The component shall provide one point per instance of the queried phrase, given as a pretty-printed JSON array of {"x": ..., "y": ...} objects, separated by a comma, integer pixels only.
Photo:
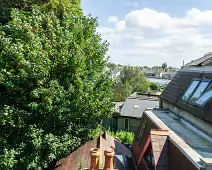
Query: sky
[{"x": 151, "y": 32}]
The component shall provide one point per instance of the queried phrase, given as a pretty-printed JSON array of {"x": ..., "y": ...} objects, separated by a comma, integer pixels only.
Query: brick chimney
[
  {"x": 109, "y": 154},
  {"x": 95, "y": 154}
]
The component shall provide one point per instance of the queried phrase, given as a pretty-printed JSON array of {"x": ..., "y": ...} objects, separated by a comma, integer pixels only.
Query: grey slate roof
[
  {"x": 134, "y": 107},
  {"x": 200, "y": 61},
  {"x": 180, "y": 83}
]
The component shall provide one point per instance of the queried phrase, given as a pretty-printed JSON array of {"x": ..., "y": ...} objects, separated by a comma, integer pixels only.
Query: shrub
[
  {"x": 125, "y": 137},
  {"x": 154, "y": 86}
]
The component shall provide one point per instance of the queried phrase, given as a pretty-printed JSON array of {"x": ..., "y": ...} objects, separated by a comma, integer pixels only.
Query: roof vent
[{"x": 136, "y": 106}]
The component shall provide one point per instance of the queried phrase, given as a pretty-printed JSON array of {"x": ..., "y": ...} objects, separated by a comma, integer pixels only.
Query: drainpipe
[
  {"x": 95, "y": 154},
  {"x": 109, "y": 155}
]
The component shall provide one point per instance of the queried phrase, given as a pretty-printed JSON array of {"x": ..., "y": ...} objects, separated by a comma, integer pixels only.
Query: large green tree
[
  {"x": 133, "y": 80},
  {"x": 53, "y": 88}
]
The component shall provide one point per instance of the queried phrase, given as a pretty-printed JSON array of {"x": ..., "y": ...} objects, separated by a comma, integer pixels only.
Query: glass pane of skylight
[
  {"x": 204, "y": 98},
  {"x": 190, "y": 90},
  {"x": 203, "y": 85}
]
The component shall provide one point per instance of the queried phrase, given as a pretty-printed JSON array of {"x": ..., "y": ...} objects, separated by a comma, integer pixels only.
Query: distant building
[
  {"x": 159, "y": 74},
  {"x": 178, "y": 135},
  {"x": 169, "y": 74},
  {"x": 115, "y": 73},
  {"x": 128, "y": 114},
  {"x": 149, "y": 73}
]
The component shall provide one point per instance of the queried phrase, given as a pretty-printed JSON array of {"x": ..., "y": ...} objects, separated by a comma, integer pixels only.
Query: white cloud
[
  {"x": 151, "y": 19},
  {"x": 120, "y": 26},
  {"x": 113, "y": 19},
  {"x": 204, "y": 17},
  {"x": 149, "y": 37},
  {"x": 147, "y": 18}
]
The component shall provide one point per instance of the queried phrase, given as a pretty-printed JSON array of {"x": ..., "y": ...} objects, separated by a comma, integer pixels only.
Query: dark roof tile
[{"x": 179, "y": 85}]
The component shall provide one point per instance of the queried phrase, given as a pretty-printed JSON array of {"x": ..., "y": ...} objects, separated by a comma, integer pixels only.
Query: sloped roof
[
  {"x": 134, "y": 106},
  {"x": 122, "y": 159},
  {"x": 200, "y": 61},
  {"x": 179, "y": 85}
]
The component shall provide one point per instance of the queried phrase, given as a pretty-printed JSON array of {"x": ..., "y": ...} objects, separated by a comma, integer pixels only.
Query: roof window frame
[
  {"x": 195, "y": 79},
  {"x": 206, "y": 103},
  {"x": 205, "y": 90},
  {"x": 201, "y": 80}
]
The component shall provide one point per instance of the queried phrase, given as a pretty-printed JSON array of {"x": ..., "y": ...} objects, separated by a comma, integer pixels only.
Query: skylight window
[
  {"x": 190, "y": 90},
  {"x": 198, "y": 92},
  {"x": 136, "y": 106},
  {"x": 204, "y": 98}
]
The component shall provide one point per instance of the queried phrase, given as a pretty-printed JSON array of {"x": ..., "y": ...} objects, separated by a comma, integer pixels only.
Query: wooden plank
[
  {"x": 160, "y": 132},
  {"x": 145, "y": 148}
]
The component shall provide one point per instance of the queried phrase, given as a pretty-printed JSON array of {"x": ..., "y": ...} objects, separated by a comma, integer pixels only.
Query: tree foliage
[
  {"x": 157, "y": 68},
  {"x": 147, "y": 68},
  {"x": 164, "y": 66},
  {"x": 133, "y": 80},
  {"x": 6, "y": 6},
  {"x": 111, "y": 66},
  {"x": 53, "y": 90},
  {"x": 154, "y": 86}
]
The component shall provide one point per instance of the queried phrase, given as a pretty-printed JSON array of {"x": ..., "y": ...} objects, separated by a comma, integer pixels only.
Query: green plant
[
  {"x": 80, "y": 165},
  {"x": 95, "y": 132},
  {"x": 125, "y": 137},
  {"x": 154, "y": 86},
  {"x": 53, "y": 88},
  {"x": 115, "y": 165},
  {"x": 101, "y": 166},
  {"x": 164, "y": 66}
]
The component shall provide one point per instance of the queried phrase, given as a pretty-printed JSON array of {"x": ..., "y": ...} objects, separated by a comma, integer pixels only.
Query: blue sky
[{"x": 150, "y": 32}]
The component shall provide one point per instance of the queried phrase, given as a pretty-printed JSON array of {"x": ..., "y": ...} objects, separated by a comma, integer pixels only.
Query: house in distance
[{"x": 127, "y": 115}]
